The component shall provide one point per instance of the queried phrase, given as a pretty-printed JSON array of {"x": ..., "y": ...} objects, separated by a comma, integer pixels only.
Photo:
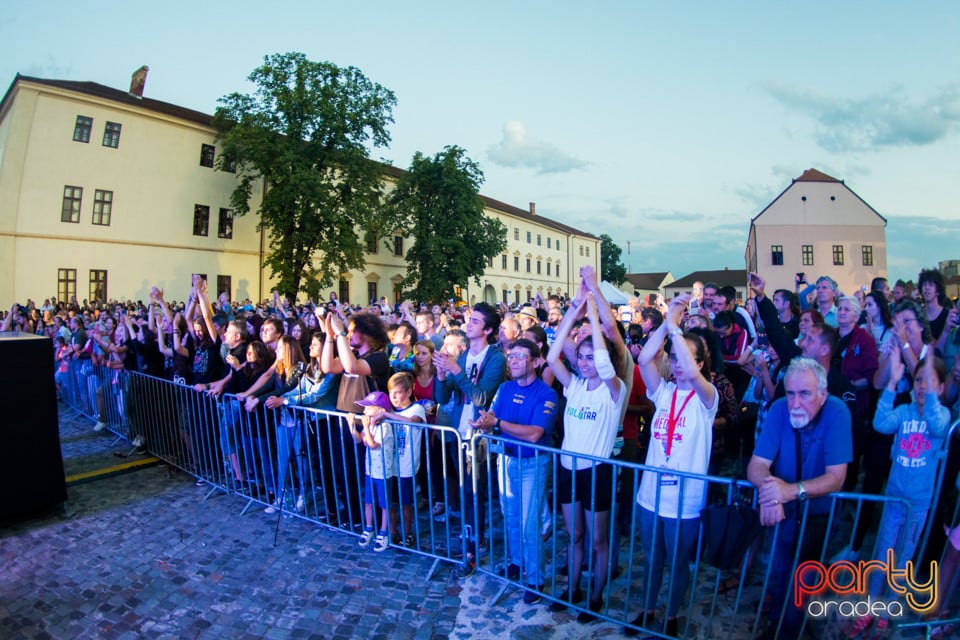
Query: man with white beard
[{"x": 817, "y": 424}]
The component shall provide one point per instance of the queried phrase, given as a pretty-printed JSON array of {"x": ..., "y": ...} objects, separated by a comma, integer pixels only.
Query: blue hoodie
[{"x": 916, "y": 447}]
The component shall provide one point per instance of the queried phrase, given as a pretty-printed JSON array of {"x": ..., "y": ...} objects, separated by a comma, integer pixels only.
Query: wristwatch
[
  {"x": 801, "y": 492},
  {"x": 496, "y": 428}
]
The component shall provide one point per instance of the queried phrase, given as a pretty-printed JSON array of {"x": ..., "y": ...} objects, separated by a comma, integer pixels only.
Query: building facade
[
  {"x": 818, "y": 226},
  {"x": 105, "y": 193}
]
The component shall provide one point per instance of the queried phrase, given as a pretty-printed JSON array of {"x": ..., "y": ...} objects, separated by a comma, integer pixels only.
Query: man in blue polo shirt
[
  {"x": 523, "y": 411},
  {"x": 808, "y": 429}
]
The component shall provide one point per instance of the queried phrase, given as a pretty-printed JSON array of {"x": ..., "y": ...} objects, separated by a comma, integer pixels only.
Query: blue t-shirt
[
  {"x": 826, "y": 442},
  {"x": 534, "y": 404}
]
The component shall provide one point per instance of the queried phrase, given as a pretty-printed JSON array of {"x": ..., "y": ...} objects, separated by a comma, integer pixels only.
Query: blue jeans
[
  {"x": 523, "y": 483},
  {"x": 660, "y": 543},
  {"x": 900, "y": 533},
  {"x": 288, "y": 445}
]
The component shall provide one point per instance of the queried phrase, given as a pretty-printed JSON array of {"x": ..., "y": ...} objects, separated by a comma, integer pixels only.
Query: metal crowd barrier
[{"x": 306, "y": 464}]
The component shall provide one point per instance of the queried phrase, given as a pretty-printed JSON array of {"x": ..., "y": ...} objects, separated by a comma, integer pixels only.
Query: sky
[{"x": 665, "y": 125}]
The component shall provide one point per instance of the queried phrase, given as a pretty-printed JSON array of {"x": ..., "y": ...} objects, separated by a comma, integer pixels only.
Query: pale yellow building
[
  {"x": 818, "y": 226},
  {"x": 105, "y": 193}
]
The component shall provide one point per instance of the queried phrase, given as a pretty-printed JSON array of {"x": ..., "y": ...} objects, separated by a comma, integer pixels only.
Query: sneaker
[
  {"x": 301, "y": 504},
  {"x": 273, "y": 507},
  {"x": 589, "y": 616},
  {"x": 511, "y": 572},
  {"x": 100, "y": 426},
  {"x": 532, "y": 594},
  {"x": 141, "y": 450},
  {"x": 365, "y": 538},
  {"x": 200, "y": 482},
  {"x": 410, "y": 542},
  {"x": 565, "y": 599},
  {"x": 382, "y": 543},
  {"x": 138, "y": 441}
]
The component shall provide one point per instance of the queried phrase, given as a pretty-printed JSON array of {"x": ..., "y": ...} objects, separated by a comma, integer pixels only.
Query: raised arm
[
  {"x": 203, "y": 301},
  {"x": 601, "y": 355}
]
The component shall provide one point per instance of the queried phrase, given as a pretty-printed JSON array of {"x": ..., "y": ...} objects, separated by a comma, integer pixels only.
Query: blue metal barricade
[{"x": 496, "y": 511}]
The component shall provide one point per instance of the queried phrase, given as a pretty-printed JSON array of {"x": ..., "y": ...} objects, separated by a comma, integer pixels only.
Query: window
[
  {"x": 776, "y": 255},
  {"x": 516, "y": 233},
  {"x": 516, "y": 296},
  {"x": 225, "y": 285},
  {"x": 372, "y": 291},
  {"x": 807, "y": 255},
  {"x": 529, "y": 237},
  {"x": 503, "y": 262},
  {"x": 225, "y": 224},
  {"x": 344, "y": 290},
  {"x": 111, "y": 135},
  {"x": 867, "y": 252},
  {"x": 207, "y": 152},
  {"x": 556, "y": 269},
  {"x": 98, "y": 285},
  {"x": 229, "y": 165},
  {"x": 102, "y": 207},
  {"x": 66, "y": 284},
  {"x": 370, "y": 239},
  {"x": 538, "y": 239},
  {"x": 587, "y": 249},
  {"x": 506, "y": 298},
  {"x": 70, "y": 212},
  {"x": 489, "y": 262},
  {"x": 549, "y": 240},
  {"x": 516, "y": 263},
  {"x": 581, "y": 250},
  {"x": 201, "y": 219},
  {"x": 838, "y": 254},
  {"x": 538, "y": 266},
  {"x": 548, "y": 268},
  {"x": 528, "y": 265},
  {"x": 398, "y": 246},
  {"x": 81, "y": 130}
]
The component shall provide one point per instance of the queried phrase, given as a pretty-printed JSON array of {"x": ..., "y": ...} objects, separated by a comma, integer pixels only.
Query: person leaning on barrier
[
  {"x": 681, "y": 440},
  {"x": 523, "y": 410},
  {"x": 811, "y": 427}
]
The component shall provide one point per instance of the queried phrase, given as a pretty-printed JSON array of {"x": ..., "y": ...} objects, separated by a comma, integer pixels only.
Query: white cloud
[{"x": 517, "y": 149}]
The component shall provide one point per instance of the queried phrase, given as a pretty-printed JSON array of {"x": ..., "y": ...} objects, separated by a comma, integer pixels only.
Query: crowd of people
[{"x": 804, "y": 392}]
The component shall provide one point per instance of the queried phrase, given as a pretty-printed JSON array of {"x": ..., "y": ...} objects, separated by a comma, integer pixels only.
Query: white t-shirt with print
[
  {"x": 408, "y": 438},
  {"x": 591, "y": 421},
  {"x": 692, "y": 440}
]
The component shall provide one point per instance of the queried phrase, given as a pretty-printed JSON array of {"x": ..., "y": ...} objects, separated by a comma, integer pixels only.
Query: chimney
[
  {"x": 533, "y": 208},
  {"x": 137, "y": 80}
]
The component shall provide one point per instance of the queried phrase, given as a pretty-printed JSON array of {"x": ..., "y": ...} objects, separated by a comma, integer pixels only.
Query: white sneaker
[
  {"x": 100, "y": 426},
  {"x": 365, "y": 538},
  {"x": 138, "y": 441},
  {"x": 272, "y": 508},
  {"x": 382, "y": 543},
  {"x": 301, "y": 504}
]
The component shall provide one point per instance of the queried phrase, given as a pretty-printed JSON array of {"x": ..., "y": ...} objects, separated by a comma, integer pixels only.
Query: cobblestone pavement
[{"x": 143, "y": 554}]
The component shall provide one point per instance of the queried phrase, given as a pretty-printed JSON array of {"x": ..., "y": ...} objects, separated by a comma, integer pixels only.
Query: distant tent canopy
[{"x": 612, "y": 294}]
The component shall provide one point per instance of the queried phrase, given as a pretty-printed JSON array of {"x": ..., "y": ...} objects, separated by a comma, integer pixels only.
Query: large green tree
[
  {"x": 305, "y": 131},
  {"x": 437, "y": 201},
  {"x": 611, "y": 269}
]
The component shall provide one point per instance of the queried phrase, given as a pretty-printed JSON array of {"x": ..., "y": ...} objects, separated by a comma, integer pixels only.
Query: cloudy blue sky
[{"x": 669, "y": 125}]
